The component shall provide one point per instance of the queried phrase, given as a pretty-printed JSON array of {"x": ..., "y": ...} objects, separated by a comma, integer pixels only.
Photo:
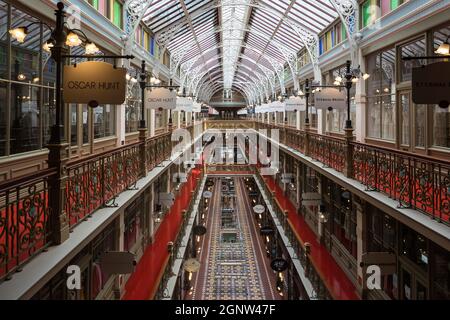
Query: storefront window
[
  {"x": 441, "y": 127},
  {"x": 26, "y": 104},
  {"x": 413, "y": 49},
  {"x": 420, "y": 125},
  {"x": 440, "y": 273},
  {"x": 381, "y": 116},
  {"x": 414, "y": 246},
  {"x": 132, "y": 110},
  {"x": 73, "y": 125},
  {"x": 104, "y": 121}
]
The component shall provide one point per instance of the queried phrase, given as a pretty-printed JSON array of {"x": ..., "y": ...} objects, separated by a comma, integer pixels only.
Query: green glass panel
[
  {"x": 117, "y": 20},
  {"x": 366, "y": 14},
  {"x": 395, "y": 4}
]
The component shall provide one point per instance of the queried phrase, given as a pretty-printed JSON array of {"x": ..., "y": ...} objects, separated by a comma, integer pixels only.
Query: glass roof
[{"x": 232, "y": 43}]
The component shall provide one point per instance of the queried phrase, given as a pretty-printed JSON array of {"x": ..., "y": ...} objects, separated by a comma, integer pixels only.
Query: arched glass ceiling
[{"x": 233, "y": 41}]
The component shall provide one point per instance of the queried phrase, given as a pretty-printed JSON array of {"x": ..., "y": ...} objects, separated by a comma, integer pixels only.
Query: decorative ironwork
[
  {"x": 415, "y": 181},
  {"x": 96, "y": 182},
  {"x": 25, "y": 228}
]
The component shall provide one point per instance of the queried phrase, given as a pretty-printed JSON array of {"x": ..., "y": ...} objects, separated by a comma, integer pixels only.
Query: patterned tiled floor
[{"x": 233, "y": 271}]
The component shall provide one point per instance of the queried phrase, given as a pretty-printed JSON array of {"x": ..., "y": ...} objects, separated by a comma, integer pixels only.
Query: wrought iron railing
[
  {"x": 298, "y": 246},
  {"x": 161, "y": 292},
  {"x": 25, "y": 224},
  {"x": 417, "y": 182},
  {"x": 96, "y": 181},
  {"x": 328, "y": 150}
]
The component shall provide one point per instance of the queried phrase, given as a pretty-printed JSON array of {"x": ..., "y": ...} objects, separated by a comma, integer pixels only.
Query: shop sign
[
  {"x": 94, "y": 83},
  {"x": 160, "y": 98},
  {"x": 259, "y": 209},
  {"x": 295, "y": 104},
  {"x": 117, "y": 262},
  {"x": 200, "y": 230},
  {"x": 311, "y": 199},
  {"x": 191, "y": 265},
  {"x": 267, "y": 231},
  {"x": 330, "y": 98},
  {"x": 207, "y": 194},
  {"x": 184, "y": 104},
  {"x": 431, "y": 84},
  {"x": 279, "y": 265},
  {"x": 385, "y": 260}
]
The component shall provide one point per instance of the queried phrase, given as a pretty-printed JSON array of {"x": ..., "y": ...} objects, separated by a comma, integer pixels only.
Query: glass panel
[
  {"x": 25, "y": 118},
  {"x": 421, "y": 291},
  {"x": 388, "y": 117},
  {"x": 407, "y": 290},
  {"x": 374, "y": 117},
  {"x": 413, "y": 49},
  {"x": 420, "y": 125},
  {"x": 104, "y": 121},
  {"x": 85, "y": 125},
  {"x": 3, "y": 40},
  {"x": 132, "y": 111},
  {"x": 3, "y": 119},
  {"x": 404, "y": 109},
  {"x": 48, "y": 114},
  {"x": 441, "y": 127},
  {"x": 73, "y": 125}
]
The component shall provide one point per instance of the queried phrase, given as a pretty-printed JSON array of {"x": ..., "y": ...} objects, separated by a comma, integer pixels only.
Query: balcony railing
[
  {"x": 418, "y": 182},
  {"x": 26, "y": 219},
  {"x": 25, "y": 224},
  {"x": 96, "y": 181},
  {"x": 318, "y": 284},
  {"x": 161, "y": 292}
]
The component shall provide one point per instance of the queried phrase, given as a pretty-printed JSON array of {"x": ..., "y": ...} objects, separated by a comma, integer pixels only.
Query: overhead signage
[
  {"x": 330, "y": 98},
  {"x": 267, "y": 231},
  {"x": 197, "y": 107},
  {"x": 311, "y": 199},
  {"x": 431, "y": 84},
  {"x": 200, "y": 230},
  {"x": 191, "y": 265},
  {"x": 207, "y": 194},
  {"x": 184, "y": 104},
  {"x": 160, "y": 98},
  {"x": 259, "y": 209},
  {"x": 279, "y": 265},
  {"x": 94, "y": 83},
  {"x": 295, "y": 104},
  {"x": 118, "y": 262},
  {"x": 287, "y": 178}
]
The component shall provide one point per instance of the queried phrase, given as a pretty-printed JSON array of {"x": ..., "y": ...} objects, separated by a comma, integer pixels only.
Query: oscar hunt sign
[
  {"x": 94, "y": 83},
  {"x": 160, "y": 98}
]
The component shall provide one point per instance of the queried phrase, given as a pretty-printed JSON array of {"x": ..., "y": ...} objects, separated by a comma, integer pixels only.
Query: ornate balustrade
[
  {"x": 25, "y": 220},
  {"x": 296, "y": 243},
  {"x": 158, "y": 149},
  {"x": 417, "y": 182},
  {"x": 96, "y": 181},
  {"x": 161, "y": 291},
  {"x": 328, "y": 150}
]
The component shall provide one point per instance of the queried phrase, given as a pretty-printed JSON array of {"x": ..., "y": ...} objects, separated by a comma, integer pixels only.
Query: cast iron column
[
  {"x": 348, "y": 170},
  {"x": 58, "y": 147},
  {"x": 142, "y": 124}
]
